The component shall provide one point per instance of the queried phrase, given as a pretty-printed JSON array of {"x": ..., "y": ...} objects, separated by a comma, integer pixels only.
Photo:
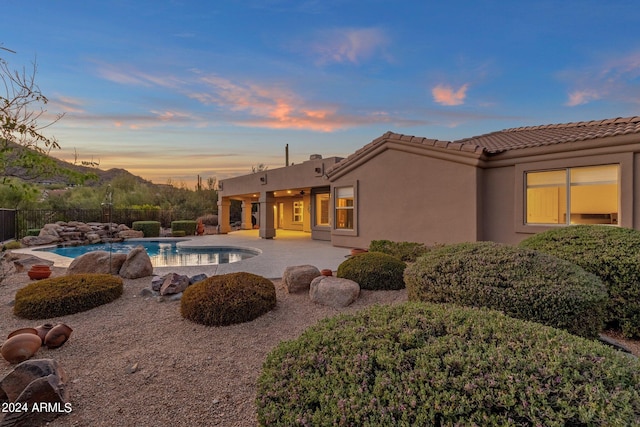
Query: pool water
[{"x": 164, "y": 253}]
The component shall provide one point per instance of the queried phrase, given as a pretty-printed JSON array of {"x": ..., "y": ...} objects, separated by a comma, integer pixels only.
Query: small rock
[
  {"x": 171, "y": 297},
  {"x": 133, "y": 368},
  {"x": 174, "y": 283},
  {"x": 146, "y": 292},
  {"x": 197, "y": 278},
  {"x": 156, "y": 282}
]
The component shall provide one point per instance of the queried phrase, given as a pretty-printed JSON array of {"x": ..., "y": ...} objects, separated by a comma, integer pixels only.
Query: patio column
[
  {"x": 224, "y": 219},
  {"x": 267, "y": 204},
  {"x": 247, "y": 224}
]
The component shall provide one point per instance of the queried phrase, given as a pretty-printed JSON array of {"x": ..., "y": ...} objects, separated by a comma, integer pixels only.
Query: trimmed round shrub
[
  {"x": 522, "y": 283},
  {"x": 435, "y": 365},
  {"x": 187, "y": 226},
  {"x": 373, "y": 271},
  {"x": 404, "y": 251},
  {"x": 228, "y": 299},
  {"x": 613, "y": 254},
  {"x": 148, "y": 228},
  {"x": 60, "y": 296}
]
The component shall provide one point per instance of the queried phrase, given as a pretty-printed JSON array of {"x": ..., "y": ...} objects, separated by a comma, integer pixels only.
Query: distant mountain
[{"x": 102, "y": 175}]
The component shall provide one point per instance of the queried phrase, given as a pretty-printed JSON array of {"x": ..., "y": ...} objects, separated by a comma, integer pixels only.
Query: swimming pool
[{"x": 164, "y": 253}]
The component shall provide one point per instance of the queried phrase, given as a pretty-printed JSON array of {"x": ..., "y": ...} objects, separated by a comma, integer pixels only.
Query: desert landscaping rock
[
  {"x": 39, "y": 240},
  {"x": 97, "y": 262},
  {"x": 298, "y": 278},
  {"x": 136, "y": 265},
  {"x": 34, "y": 382},
  {"x": 24, "y": 264},
  {"x": 333, "y": 291},
  {"x": 174, "y": 284},
  {"x": 79, "y": 233}
]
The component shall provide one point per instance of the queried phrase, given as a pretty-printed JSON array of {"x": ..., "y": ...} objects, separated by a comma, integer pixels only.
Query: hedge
[
  {"x": 520, "y": 282},
  {"x": 613, "y": 254},
  {"x": 421, "y": 364}
]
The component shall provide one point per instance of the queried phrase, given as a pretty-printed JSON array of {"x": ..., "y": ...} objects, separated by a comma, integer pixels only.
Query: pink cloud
[
  {"x": 447, "y": 95},
  {"x": 270, "y": 107},
  {"x": 613, "y": 78},
  {"x": 580, "y": 97},
  {"x": 67, "y": 104},
  {"x": 243, "y": 103},
  {"x": 349, "y": 45}
]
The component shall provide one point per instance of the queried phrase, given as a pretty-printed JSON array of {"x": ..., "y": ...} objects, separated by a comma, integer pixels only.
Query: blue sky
[{"x": 174, "y": 89}]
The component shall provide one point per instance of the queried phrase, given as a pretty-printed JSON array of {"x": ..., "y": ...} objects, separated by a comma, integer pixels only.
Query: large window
[
  {"x": 344, "y": 214},
  {"x": 581, "y": 195}
]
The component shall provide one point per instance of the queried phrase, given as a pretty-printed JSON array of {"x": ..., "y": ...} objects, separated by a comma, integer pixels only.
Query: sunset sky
[{"x": 174, "y": 89}]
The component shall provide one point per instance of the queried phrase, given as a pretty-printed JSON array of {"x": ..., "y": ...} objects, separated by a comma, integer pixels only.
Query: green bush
[
  {"x": 613, "y": 254},
  {"x": 148, "y": 228},
  {"x": 60, "y": 296},
  {"x": 404, "y": 251},
  {"x": 373, "y": 271},
  {"x": 11, "y": 245},
  {"x": 33, "y": 232},
  {"x": 228, "y": 299},
  {"x": 188, "y": 226},
  {"x": 422, "y": 364},
  {"x": 522, "y": 283}
]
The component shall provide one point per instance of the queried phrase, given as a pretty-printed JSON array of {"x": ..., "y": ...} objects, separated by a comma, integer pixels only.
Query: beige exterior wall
[
  {"x": 405, "y": 196},
  {"x": 432, "y": 194},
  {"x": 503, "y": 189},
  {"x": 276, "y": 190}
]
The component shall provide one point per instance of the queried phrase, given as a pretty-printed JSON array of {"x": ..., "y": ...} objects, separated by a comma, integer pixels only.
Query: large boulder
[
  {"x": 51, "y": 230},
  {"x": 39, "y": 383},
  {"x": 137, "y": 264},
  {"x": 297, "y": 278},
  {"x": 333, "y": 291},
  {"x": 39, "y": 240},
  {"x": 97, "y": 262}
]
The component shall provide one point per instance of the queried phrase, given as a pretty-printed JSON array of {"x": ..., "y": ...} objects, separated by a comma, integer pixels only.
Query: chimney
[{"x": 286, "y": 155}]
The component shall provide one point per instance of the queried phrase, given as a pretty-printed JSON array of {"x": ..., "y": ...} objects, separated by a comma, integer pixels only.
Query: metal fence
[
  {"x": 25, "y": 220},
  {"x": 7, "y": 224}
]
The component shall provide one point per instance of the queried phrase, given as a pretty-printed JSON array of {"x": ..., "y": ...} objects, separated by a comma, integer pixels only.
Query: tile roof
[
  {"x": 535, "y": 136},
  {"x": 509, "y": 139},
  {"x": 390, "y": 136}
]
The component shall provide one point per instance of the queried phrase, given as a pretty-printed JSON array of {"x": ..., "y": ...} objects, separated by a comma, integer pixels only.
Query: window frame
[
  {"x": 297, "y": 210},
  {"x": 625, "y": 187},
  {"x": 334, "y": 193},
  {"x": 568, "y": 184}
]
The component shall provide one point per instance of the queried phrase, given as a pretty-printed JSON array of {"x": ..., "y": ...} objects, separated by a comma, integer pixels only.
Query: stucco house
[{"x": 502, "y": 186}]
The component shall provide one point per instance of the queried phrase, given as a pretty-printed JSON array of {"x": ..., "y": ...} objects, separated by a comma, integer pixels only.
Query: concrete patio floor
[{"x": 288, "y": 248}]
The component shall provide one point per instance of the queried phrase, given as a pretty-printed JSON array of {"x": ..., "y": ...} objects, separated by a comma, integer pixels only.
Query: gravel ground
[{"x": 137, "y": 362}]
